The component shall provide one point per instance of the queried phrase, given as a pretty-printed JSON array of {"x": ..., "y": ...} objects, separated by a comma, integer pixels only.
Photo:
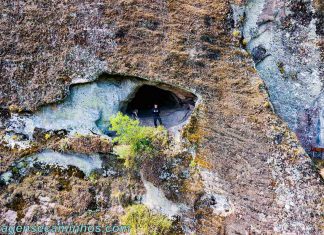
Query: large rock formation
[
  {"x": 258, "y": 177},
  {"x": 285, "y": 40}
]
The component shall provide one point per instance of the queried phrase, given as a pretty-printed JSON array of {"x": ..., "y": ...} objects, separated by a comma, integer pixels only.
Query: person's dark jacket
[{"x": 156, "y": 112}]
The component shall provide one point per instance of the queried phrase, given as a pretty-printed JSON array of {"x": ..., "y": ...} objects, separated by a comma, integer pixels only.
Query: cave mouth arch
[
  {"x": 89, "y": 105},
  {"x": 175, "y": 104}
]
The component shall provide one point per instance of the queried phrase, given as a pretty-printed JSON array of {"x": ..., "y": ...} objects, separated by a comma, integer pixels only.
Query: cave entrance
[{"x": 175, "y": 105}]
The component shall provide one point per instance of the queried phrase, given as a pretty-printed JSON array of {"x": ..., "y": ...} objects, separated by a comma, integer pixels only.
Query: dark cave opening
[
  {"x": 147, "y": 96},
  {"x": 175, "y": 105}
]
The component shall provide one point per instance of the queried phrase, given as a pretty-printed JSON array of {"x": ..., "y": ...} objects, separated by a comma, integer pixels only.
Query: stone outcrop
[
  {"x": 285, "y": 39},
  {"x": 254, "y": 166}
]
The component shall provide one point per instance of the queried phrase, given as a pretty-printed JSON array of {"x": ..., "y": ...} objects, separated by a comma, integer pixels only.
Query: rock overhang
[
  {"x": 88, "y": 106},
  {"x": 238, "y": 127}
]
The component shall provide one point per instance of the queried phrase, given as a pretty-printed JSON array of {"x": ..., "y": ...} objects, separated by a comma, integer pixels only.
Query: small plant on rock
[
  {"x": 94, "y": 176},
  {"x": 63, "y": 145},
  {"x": 143, "y": 221},
  {"x": 47, "y": 136},
  {"x": 281, "y": 67}
]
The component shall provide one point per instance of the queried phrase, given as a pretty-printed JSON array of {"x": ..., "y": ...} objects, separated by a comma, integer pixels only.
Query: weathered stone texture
[{"x": 48, "y": 45}]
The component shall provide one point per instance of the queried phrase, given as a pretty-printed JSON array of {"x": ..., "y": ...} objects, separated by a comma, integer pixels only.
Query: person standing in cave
[
  {"x": 156, "y": 115},
  {"x": 135, "y": 114}
]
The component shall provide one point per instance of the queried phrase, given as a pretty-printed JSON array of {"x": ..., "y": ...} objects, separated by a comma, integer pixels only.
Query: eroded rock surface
[
  {"x": 256, "y": 167},
  {"x": 286, "y": 42}
]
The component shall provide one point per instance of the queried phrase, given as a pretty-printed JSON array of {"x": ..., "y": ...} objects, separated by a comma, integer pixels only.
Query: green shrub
[
  {"x": 143, "y": 221},
  {"x": 94, "y": 176},
  {"x": 135, "y": 140},
  {"x": 193, "y": 163},
  {"x": 126, "y": 153},
  {"x": 47, "y": 136},
  {"x": 236, "y": 33}
]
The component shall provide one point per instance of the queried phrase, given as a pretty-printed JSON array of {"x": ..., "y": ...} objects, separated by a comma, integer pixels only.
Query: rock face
[
  {"x": 255, "y": 167},
  {"x": 87, "y": 108},
  {"x": 285, "y": 40}
]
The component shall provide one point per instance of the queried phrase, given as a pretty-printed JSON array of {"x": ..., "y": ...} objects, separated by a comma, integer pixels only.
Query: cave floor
[{"x": 170, "y": 117}]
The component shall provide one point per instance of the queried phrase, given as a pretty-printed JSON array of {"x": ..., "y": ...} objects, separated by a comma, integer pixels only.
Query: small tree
[
  {"x": 135, "y": 140},
  {"x": 143, "y": 221}
]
